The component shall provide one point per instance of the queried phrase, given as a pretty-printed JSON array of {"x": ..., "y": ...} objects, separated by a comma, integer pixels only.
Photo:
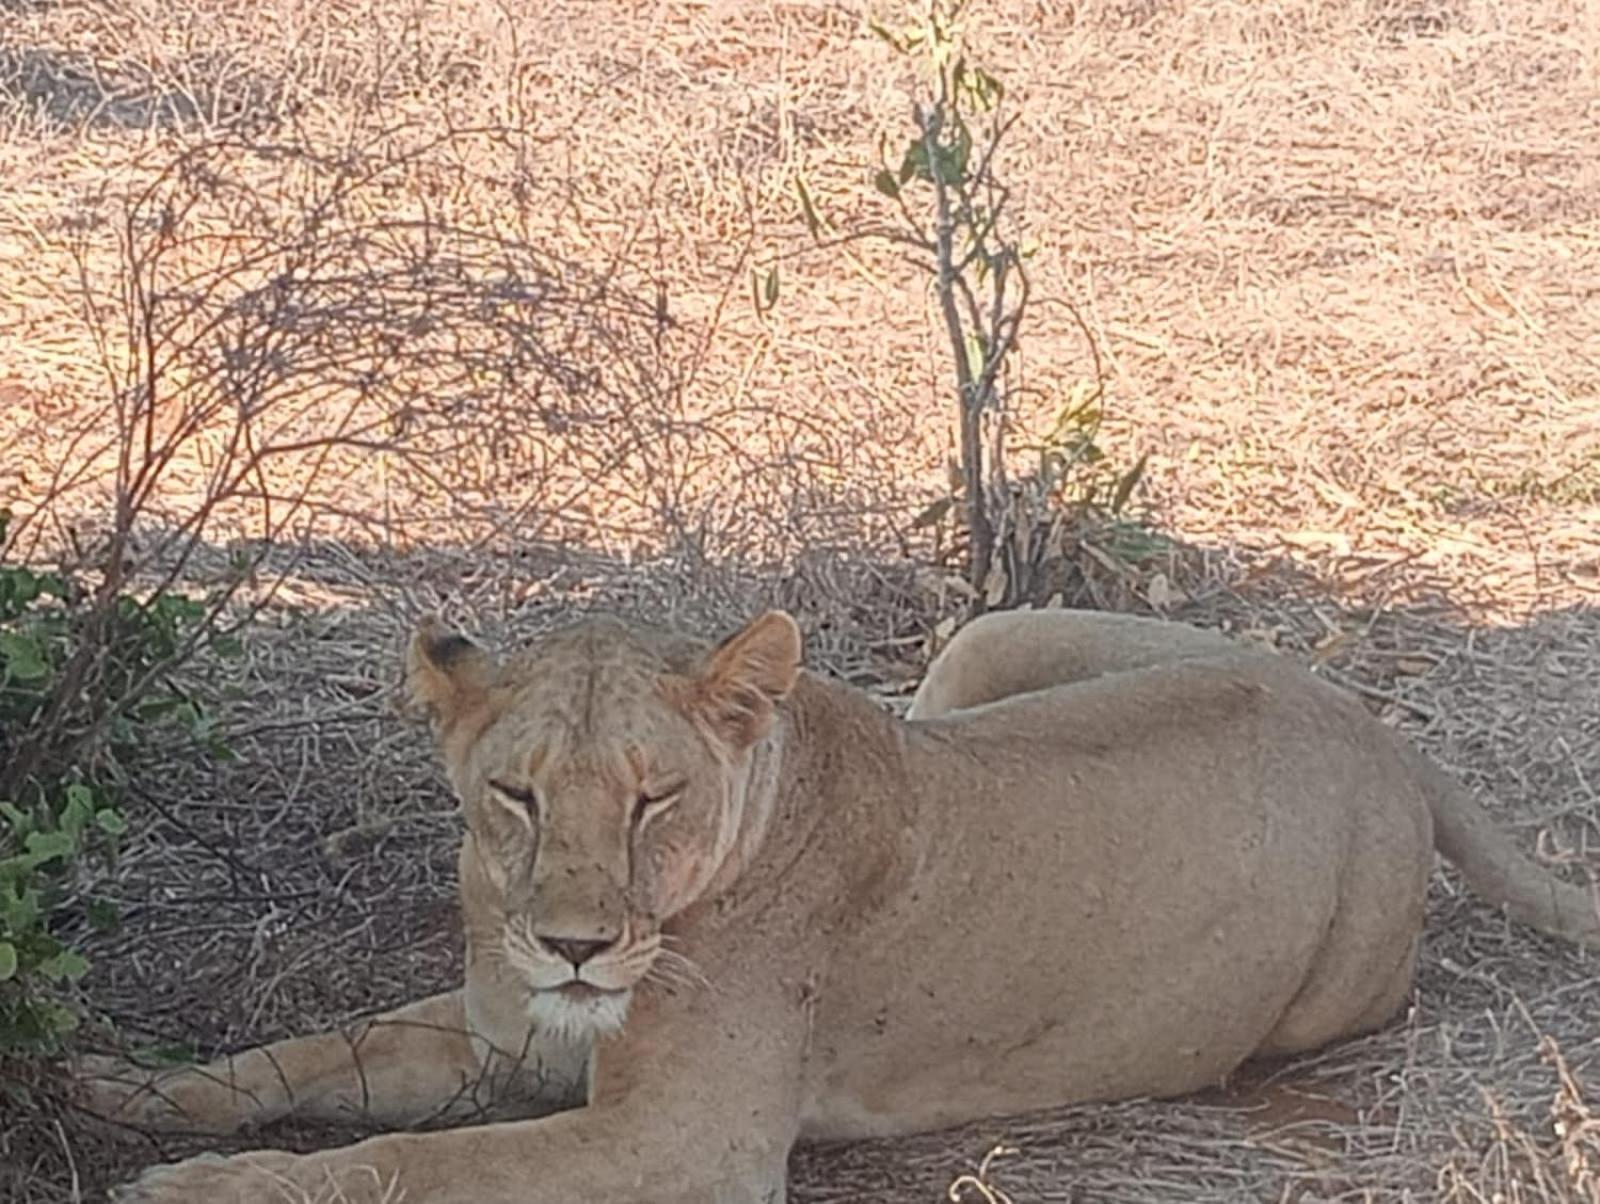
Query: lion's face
[{"x": 604, "y": 780}]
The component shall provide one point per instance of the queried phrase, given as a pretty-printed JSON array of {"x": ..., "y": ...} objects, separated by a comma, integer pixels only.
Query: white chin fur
[{"x": 568, "y": 1019}]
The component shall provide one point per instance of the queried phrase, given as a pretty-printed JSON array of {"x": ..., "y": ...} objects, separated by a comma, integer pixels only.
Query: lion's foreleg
[
  {"x": 696, "y": 1102},
  {"x": 399, "y": 1068}
]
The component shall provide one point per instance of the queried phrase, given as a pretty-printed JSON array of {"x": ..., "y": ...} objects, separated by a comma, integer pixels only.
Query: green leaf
[
  {"x": 18, "y": 821},
  {"x": 984, "y": 89},
  {"x": 110, "y": 821},
  {"x": 164, "y": 1055},
  {"x": 103, "y": 915},
  {"x": 915, "y": 162},
  {"x": 770, "y": 288},
  {"x": 932, "y": 513},
  {"x": 19, "y": 908},
  {"x": 977, "y": 351},
  {"x": 1083, "y": 417},
  {"x": 8, "y": 960},
  {"x": 1125, "y": 486},
  {"x": 48, "y": 846},
  {"x": 157, "y": 707},
  {"x": 59, "y": 1020},
  {"x": 24, "y": 658},
  {"x": 885, "y": 183},
  {"x": 79, "y": 810},
  {"x": 22, "y": 585},
  {"x": 67, "y": 964},
  {"x": 955, "y": 157},
  {"x": 173, "y": 611},
  {"x": 900, "y": 45},
  {"x": 807, "y": 209}
]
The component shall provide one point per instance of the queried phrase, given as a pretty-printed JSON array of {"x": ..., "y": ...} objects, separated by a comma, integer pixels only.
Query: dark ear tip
[
  {"x": 450, "y": 649},
  {"x": 439, "y": 645}
]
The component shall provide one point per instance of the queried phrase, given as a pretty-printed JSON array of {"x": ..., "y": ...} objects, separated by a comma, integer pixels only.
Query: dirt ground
[{"x": 1340, "y": 264}]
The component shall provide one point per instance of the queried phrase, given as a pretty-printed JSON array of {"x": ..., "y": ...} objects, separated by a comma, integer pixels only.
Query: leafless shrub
[{"x": 276, "y": 326}]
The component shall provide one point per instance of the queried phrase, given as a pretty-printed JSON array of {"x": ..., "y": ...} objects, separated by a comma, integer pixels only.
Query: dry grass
[{"x": 1342, "y": 262}]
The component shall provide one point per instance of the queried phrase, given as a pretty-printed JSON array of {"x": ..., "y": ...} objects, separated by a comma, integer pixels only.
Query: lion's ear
[
  {"x": 747, "y": 674},
  {"x": 446, "y": 673}
]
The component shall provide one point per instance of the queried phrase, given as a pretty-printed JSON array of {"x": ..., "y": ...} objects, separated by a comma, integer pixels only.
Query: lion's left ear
[
  {"x": 446, "y": 673},
  {"x": 748, "y": 674}
]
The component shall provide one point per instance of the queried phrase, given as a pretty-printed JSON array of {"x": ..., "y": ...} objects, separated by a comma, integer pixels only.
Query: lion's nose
[{"x": 576, "y": 952}]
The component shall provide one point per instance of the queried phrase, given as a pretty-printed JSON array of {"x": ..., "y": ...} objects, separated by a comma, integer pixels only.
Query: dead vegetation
[{"x": 1340, "y": 264}]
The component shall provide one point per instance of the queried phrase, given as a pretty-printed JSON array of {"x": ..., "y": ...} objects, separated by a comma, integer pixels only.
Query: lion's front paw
[
  {"x": 265, "y": 1177},
  {"x": 260, "y": 1177},
  {"x": 122, "y": 1093},
  {"x": 175, "y": 1100}
]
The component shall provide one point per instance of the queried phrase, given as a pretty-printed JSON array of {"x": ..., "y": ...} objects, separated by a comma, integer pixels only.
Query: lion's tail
[{"x": 1498, "y": 870}]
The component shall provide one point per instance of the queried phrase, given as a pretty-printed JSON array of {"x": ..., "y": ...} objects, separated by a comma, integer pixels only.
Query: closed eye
[
  {"x": 522, "y": 795},
  {"x": 652, "y": 803}
]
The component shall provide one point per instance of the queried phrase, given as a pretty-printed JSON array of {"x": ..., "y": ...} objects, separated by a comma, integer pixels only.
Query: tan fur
[{"x": 1105, "y": 858}]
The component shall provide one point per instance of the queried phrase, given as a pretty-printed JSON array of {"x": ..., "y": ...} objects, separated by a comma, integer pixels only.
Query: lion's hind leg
[
  {"x": 1367, "y": 961},
  {"x": 1004, "y": 653}
]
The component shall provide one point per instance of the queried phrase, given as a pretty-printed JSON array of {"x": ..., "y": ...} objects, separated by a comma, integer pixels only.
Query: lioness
[{"x": 1107, "y": 857}]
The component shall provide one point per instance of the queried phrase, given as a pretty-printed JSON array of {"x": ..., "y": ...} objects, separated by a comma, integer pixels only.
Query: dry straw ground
[{"x": 1341, "y": 262}]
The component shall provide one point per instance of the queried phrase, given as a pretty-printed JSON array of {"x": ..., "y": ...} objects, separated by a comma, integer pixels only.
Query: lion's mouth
[
  {"x": 585, "y": 992},
  {"x": 579, "y": 1010}
]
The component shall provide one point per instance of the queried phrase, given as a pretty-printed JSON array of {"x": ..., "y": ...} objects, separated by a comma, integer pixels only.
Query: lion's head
[{"x": 605, "y": 777}]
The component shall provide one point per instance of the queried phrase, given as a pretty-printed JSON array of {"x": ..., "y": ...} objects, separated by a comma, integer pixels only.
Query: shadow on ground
[
  {"x": 68, "y": 91},
  {"x": 312, "y": 880}
]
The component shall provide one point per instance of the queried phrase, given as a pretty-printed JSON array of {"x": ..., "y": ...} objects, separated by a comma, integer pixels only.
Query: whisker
[
  {"x": 680, "y": 964},
  {"x": 663, "y": 977}
]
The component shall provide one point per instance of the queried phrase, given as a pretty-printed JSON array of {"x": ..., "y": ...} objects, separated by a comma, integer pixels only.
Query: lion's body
[
  {"x": 1104, "y": 858},
  {"x": 1131, "y": 905}
]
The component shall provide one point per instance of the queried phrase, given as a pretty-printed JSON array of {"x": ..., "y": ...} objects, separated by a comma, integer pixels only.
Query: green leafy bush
[{"x": 84, "y": 681}]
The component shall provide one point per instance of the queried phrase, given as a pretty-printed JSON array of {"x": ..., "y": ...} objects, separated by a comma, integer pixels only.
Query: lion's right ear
[{"x": 446, "y": 673}]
